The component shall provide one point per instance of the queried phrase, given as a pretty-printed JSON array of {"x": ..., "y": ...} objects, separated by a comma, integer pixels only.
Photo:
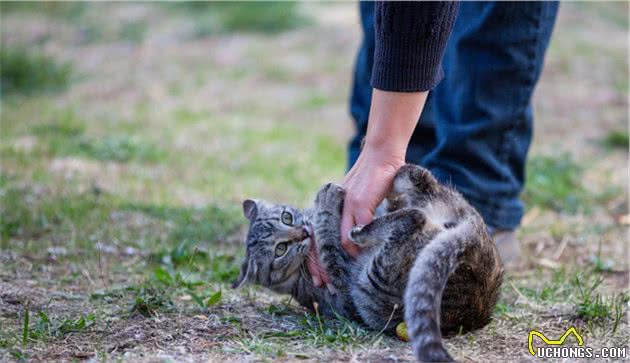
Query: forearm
[{"x": 393, "y": 118}]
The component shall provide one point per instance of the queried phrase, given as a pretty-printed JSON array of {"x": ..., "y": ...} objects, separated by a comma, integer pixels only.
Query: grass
[
  {"x": 192, "y": 225},
  {"x": 70, "y": 9},
  {"x": 46, "y": 327},
  {"x": 134, "y": 31},
  {"x": 43, "y": 329},
  {"x": 306, "y": 330},
  {"x": 617, "y": 139},
  {"x": 26, "y": 218},
  {"x": 64, "y": 134},
  {"x": 555, "y": 182},
  {"x": 599, "y": 313},
  {"x": 616, "y": 12},
  {"x": 120, "y": 219},
  {"x": 599, "y": 310},
  {"x": 260, "y": 17},
  {"x": 121, "y": 148},
  {"x": 150, "y": 300},
  {"x": 24, "y": 71}
]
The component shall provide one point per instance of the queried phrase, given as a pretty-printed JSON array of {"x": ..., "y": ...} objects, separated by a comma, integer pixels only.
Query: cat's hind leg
[{"x": 379, "y": 287}]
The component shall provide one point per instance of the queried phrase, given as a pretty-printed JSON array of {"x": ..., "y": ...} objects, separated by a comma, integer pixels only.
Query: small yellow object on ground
[{"x": 401, "y": 332}]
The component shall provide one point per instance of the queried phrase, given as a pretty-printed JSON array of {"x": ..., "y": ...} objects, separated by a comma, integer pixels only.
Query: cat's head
[{"x": 277, "y": 244}]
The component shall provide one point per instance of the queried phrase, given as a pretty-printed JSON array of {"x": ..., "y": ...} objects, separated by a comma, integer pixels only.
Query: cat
[{"x": 427, "y": 260}]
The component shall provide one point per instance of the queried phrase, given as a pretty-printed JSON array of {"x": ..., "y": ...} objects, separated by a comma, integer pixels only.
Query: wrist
[
  {"x": 384, "y": 155},
  {"x": 385, "y": 149}
]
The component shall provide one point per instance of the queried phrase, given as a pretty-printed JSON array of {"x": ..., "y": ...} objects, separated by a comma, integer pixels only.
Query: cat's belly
[{"x": 379, "y": 304}]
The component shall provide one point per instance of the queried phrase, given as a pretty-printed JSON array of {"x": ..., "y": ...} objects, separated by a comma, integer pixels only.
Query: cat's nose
[{"x": 306, "y": 232}]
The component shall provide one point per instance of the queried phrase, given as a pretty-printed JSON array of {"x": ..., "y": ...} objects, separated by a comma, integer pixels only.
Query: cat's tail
[{"x": 427, "y": 280}]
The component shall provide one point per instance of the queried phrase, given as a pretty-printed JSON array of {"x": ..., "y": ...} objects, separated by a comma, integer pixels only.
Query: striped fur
[{"x": 428, "y": 260}]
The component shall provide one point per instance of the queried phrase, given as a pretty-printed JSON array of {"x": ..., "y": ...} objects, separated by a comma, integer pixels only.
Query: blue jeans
[{"x": 476, "y": 127}]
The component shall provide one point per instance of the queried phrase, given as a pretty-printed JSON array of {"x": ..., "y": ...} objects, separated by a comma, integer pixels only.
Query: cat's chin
[{"x": 285, "y": 286}]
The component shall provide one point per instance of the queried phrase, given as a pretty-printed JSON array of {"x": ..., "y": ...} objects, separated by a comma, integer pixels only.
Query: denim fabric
[{"x": 476, "y": 127}]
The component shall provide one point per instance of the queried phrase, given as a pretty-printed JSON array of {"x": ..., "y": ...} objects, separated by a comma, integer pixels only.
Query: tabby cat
[{"x": 427, "y": 260}]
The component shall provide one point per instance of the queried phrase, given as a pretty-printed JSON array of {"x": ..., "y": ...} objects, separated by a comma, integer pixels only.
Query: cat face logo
[{"x": 560, "y": 341}]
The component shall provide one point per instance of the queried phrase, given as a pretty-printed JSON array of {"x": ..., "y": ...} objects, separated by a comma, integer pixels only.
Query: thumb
[{"x": 351, "y": 217}]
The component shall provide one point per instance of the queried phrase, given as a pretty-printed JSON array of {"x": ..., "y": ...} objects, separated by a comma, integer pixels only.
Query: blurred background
[{"x": 131, "y": 132}]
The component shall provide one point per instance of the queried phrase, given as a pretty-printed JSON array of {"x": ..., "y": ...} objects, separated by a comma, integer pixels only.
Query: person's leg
[
  {"x": 361, "y": 89},
  {"x": 478, "y": 120}
]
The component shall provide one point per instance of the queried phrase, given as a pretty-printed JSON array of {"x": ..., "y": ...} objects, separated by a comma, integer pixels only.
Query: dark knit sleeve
[{"x": 410, "y": 41}]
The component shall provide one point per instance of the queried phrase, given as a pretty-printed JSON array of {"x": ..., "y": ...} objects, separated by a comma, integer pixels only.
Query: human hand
[
  {"x": 393, "y": 117},
  {"x": 366, "y": 185}
]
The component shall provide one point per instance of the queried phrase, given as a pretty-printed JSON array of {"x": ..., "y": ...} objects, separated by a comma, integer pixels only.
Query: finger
[
  {"x": 363, "y": 216},
  {"x": 347, "y": 222}
]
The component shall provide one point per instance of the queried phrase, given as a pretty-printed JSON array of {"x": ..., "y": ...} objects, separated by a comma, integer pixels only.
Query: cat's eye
[
  {"x": 286, "y": 218},
  {"x": 281, "y": 249}
]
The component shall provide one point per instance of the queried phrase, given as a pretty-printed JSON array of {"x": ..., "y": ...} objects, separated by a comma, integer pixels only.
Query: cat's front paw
[{"x": 330, "y": 199}]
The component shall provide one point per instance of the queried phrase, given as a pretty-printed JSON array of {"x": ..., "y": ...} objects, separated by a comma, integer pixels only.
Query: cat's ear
[
  {"x": 242, "y": 277},
  {"x": 250, "y": 209}
]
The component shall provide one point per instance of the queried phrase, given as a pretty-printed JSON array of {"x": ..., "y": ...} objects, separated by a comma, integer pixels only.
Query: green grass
[
  {"x": 25, "y": 71},
  {"x": 48, "y": 327},
  {"x": 31, "y": 217},
  {"x": 150, "y": 300},
  {"x": 617, "y": 139},
  {"x": 134, "y": 31},
  {"x": 307, "y": 330},
  {"x": 597, "y": 310},
  {"x": 193, "y": 225},
  {"x": 142, "y": 194},
  {"x": 66, "y": 127},
  {"x": 555, "y": 289},
  {"x": 315, "y": 101},
  {"x": 42, "y": 327},
  {"x": 121, "y": 148},
  {"x": 66, "y": 9},
  {"x": 158, "y": 293},
  {"x": 212, "y": 267},
  {"x": 615, "y": 11},
  {"x": 555, "y": 183},
  {"x": 64, "y": 140},
  {"x": 581, "y": 289},
  {"x": 264, "y": 17},
  {"x": 63, "y": 133},
  {"x": 28, "y": 216}
]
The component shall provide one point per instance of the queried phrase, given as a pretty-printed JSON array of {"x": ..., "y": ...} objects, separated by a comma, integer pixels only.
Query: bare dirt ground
[{"x": 120, "y": 194}]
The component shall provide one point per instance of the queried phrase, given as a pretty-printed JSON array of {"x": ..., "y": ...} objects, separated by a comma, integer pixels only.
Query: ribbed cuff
[
  {"x": 410, "y": 42},
  {"x": 407, "y": 64}
]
